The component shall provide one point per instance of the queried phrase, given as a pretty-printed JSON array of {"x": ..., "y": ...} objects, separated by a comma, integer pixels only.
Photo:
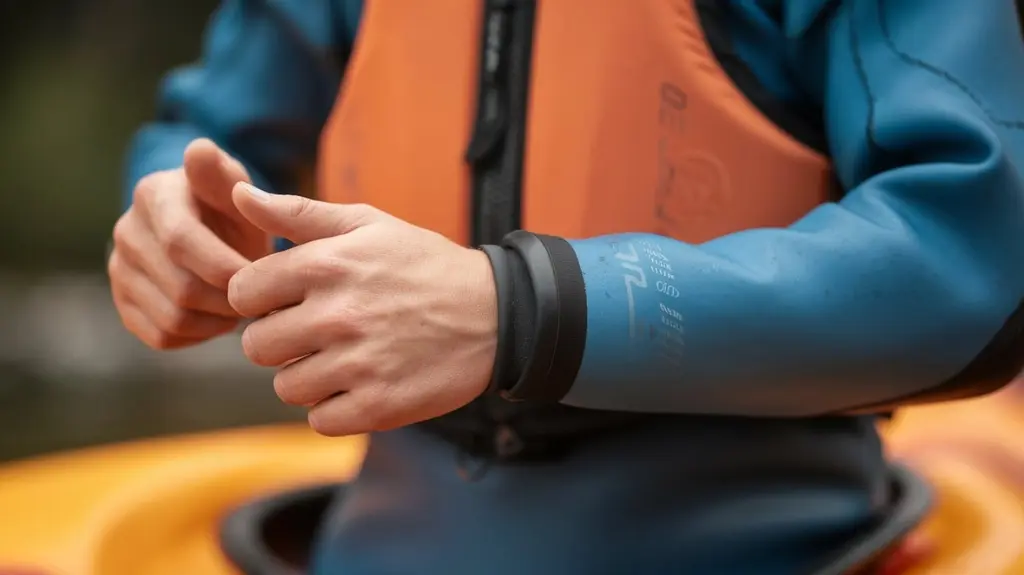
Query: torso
[
  {"x": 507, "y": 121},
  {"x": 631, "y": 492}
]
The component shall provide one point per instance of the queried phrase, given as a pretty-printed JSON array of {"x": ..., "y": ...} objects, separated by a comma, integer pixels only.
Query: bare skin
[
  {"x": 373, "y": 323},
  {"x": 177, "y": 247}
]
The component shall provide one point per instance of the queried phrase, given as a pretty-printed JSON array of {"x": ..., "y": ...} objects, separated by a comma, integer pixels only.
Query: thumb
[
  {"x": 297, "y": 218},
  {"x": 212, "y": 174}
]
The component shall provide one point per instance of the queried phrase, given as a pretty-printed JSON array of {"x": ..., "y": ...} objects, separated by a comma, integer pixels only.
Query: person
[{"x": 615, "y": 287}]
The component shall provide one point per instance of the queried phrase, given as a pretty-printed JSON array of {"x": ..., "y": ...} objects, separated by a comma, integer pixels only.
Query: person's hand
[
  {"x": 177, "y": 247},
  {"x": 374, "y": 323}
]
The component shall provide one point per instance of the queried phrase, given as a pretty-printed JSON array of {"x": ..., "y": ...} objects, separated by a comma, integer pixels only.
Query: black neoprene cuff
[{"x": 542, "y": 317}]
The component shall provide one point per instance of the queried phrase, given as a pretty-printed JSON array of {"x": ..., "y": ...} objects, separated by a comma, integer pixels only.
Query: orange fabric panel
[
  {"x": 398, "y": 133},
  {"x": 635, "y": 128},
  {"x": 632, "y": 125}
]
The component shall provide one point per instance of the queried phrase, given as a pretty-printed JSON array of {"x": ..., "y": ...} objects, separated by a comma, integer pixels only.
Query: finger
[
  {"x": 137, "y": 245},
  {"x": 212, "y": 174},
  {"x": 160, "y": 311},
  {"x": 190, "y": 244},
  {"x": 366, "y": 408},
  {"x": 300, "y": 219},
  {"x": 136, "y": 322},
  {"x": 314, "y": 378},
  {"x": 139, "y": 326},
  {"x": 282, "y": 337},
  {"x": 275, "y": 282},
  {"x": 362, "y": 410}
]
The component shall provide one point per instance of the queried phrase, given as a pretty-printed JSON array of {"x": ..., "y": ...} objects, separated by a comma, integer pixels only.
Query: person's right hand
[{"x": 176, "y": 248}]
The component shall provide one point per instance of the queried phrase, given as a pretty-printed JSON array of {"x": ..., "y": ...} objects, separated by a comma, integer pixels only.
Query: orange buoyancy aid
[{"x": 573, "y": 118}]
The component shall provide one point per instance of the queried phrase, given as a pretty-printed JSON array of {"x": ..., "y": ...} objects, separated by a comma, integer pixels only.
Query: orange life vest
[
  {"x": 631, "y": 124},
  {"x": 572, "y": 118}
]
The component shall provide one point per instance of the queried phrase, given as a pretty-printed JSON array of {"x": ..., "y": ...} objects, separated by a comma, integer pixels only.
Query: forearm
[
  {"x": 796, "y": 327},
  {"x": 909, "y": 289}
]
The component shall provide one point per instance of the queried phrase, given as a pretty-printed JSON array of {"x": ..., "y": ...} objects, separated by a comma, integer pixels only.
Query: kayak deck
[{"x": 156, "y": 507}]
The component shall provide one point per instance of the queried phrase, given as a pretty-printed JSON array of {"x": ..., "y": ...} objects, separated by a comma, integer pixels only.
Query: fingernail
[{"x": 258, "y": 194}]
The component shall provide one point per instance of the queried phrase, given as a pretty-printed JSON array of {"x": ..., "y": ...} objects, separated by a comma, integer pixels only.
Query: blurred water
[{"x": 70, "y": 375}]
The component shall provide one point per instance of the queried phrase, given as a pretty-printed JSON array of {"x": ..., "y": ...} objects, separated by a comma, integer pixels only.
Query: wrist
[
  {"x": 504, "y": 354},
  {"x": 542, "y": 317}
]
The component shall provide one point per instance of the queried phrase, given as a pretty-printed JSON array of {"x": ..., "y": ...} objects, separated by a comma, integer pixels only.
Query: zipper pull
[{"x": 492, "y": 107}]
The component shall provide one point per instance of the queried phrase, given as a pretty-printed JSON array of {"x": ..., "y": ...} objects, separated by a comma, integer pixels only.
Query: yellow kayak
[
  {"x": 228, "y": 502},
  {"x": 154, "y": 507},
  {"x": 989, "y": 431}
]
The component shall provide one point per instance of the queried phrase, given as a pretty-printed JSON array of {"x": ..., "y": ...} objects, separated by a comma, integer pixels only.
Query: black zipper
[
  {"x": 495, "y": 155},
  {"x": 495, "y": 152}
]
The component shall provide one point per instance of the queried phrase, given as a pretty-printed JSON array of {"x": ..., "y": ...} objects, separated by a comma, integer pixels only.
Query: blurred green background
[{"x": 77, "y": 77}]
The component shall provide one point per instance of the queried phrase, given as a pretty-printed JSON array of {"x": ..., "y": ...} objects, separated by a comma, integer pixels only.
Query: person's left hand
[{"x": 374, "y": 323}]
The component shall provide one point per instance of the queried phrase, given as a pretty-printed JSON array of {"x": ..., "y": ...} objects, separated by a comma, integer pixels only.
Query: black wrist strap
[{"x": 560, "y": 326}]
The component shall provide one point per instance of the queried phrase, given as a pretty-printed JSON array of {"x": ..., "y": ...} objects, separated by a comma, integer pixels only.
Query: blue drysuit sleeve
[
  {"x": 263, "y": 88},
  {"x": 912, "y": 281}
]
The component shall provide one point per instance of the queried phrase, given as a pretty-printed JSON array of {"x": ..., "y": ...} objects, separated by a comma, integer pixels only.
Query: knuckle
[
  {"x": 158, "y": 340},
  {"x": 150, "y": 185},
  {"x": 187, "y": 292},
  {"x": 162, "y": 341},
  {"x": 174, "y": 240},
  {"x": 114, "y": 266},
  {"x": 128, "y": 319},
  {"x": 138, "y": 323},
  {"x": 362, "y": 211},
  {"x": 126, "y": 237},
  {"x": 367, "y": 372},
  {"x": 335, "y": 264},
  {"x": 146, "y": 187},
  {"x": 302, "y": 207},
  {"x": 318, "y": 270},
  {"x": 149, "y": 340},
  {"x": 122, "y": 229},
  {"x": 343, "y": 319},
  {"x": 173, "y": 321}
]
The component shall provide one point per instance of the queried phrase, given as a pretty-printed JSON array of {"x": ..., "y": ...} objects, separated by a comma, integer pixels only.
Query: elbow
[
  {"x": 999, "y": 361},
  {"x": 986, "y": 303},
  {"x": 980, "y": 283},
  {"x": 996, "y": 341}
]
